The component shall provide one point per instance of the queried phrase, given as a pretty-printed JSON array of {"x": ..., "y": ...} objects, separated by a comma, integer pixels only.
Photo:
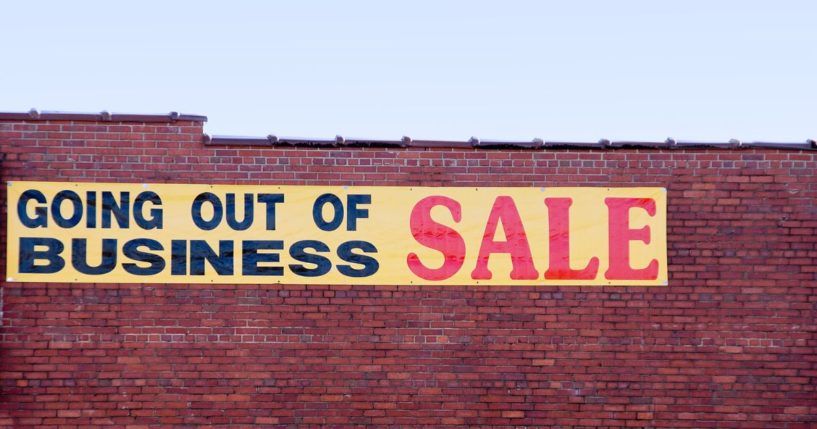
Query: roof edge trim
[{"x": 474, "y": 143}]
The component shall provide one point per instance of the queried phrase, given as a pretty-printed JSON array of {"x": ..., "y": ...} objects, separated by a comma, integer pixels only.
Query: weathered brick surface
[{"x": 729, "y": 343}]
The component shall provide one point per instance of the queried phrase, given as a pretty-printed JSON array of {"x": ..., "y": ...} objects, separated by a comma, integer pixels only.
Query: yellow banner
[{"x": 174, "y": 233}]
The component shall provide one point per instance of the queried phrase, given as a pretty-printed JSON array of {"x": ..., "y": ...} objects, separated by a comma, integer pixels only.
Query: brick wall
[{"x": 729, "y": 343}]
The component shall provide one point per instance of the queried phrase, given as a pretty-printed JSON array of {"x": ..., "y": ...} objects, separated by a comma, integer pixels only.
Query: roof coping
[
  {"x": 476, "y": 143},
  {"x": 104, "y": 116}
]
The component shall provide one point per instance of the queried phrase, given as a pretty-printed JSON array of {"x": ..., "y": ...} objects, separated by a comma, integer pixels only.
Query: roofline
[
  {"x": 475, "y": 143},
  {"x": 104, "y": 116},
  {"x": 404, "y": 142}
]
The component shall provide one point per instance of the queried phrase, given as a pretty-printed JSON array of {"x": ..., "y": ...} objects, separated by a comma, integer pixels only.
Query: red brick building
[{"x": 730, "y": 342}]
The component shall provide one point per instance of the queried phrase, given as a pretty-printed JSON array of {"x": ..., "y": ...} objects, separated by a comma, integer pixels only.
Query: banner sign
[{"x": 174, "y": 233}]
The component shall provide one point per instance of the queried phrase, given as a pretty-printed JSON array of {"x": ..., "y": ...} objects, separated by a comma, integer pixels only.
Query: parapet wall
[{"x": 730, "y": 342}]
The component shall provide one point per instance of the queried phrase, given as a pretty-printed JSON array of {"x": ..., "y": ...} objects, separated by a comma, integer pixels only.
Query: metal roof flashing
[{"x": 476, "y": 143}]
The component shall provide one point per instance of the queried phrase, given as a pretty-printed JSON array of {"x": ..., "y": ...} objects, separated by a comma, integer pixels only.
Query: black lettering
[
  {"x": 56, "y": 209},
  {"x": 221, "y": 262},
  {"x": 270, "y": 200},
  {"x": 370, "y": 265},
  {"x": 248, "y": 212},
  {"x": 356, "y": 213},
  {"x": 317, "y": 212},
  {"x": 79, "y": 256},
  {"x": 131, "y": 250},
  {"x": 322, "y": 264},
  {"x": 40, "y": 218},
  {"x": 195, "y": 211},
  {"x": 178, "y": 257},
  {"x": 90, "y": 209},
  {"x": 120, "y": 211},
  {"x": 156, "y": 214},
  {"x": 29, "y": 255},
  {"x": 250, "y": 257}
]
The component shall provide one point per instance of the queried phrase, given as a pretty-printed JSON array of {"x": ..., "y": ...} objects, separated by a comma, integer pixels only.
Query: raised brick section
[{"x": 729, "y": 343}]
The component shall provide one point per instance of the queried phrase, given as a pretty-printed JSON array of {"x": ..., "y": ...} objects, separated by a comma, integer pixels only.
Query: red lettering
[
  {"x": 516, "y": 242},
  {"x": 438, "y": 237},
  {"x": 621, "y": 235},
  {"x": 559, "y": 228}
]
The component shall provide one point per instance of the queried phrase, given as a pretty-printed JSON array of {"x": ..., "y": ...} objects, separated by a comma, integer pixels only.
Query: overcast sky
[{"x": 566, "y": 70}]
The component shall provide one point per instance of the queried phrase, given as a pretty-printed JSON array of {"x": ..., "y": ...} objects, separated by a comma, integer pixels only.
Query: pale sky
[{"x": 567, "y": 70}]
